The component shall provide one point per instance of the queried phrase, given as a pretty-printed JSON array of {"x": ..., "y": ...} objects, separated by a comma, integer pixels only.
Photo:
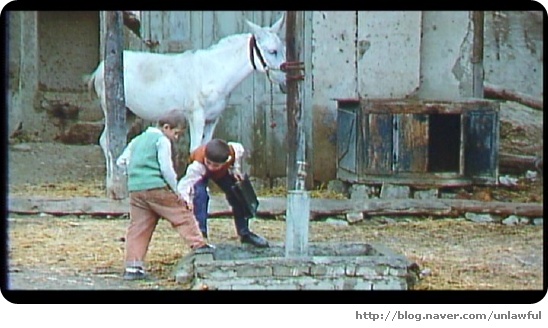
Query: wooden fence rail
[{"x": 275, "y": 206}]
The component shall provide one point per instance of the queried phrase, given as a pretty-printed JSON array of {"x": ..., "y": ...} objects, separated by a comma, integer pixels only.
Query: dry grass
[
  {"x": 64, "y": 189},
  {"x": 459, "y": 255}
]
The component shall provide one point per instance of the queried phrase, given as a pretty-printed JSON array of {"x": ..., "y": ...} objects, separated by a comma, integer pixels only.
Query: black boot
[{"x": 254, "y": 239}]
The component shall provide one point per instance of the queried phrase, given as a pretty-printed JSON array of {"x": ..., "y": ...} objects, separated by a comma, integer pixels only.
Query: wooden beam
[
  {"x": 115, "y": 119},
  {"x": 511, "y": 163},
  {"x": 496, "y": 92},
  {"x": 273, "y": 206},
  {"x": 293, "y": 104}
]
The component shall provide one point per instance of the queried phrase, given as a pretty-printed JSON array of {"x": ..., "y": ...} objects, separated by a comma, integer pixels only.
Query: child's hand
[
  {"x": 187, "y": 205},
  {"x": 183, "y": 202},
  {"x": 238, "y": 175}
]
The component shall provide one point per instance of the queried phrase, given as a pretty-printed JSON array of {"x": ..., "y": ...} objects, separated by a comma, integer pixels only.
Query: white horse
[{"x": 197, "y": 83}]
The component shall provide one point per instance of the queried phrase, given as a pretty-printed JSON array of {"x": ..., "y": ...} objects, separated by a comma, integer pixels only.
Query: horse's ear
[
  {"x": 255, "y": 29},
  {"x": 278, "y": 25}
]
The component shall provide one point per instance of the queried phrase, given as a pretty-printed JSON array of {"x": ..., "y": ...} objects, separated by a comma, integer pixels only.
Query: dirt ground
[{"x": 84, "y": 252}]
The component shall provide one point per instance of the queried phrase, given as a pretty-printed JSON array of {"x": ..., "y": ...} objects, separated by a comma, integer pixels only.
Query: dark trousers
[{"x": 201, "y": 202}]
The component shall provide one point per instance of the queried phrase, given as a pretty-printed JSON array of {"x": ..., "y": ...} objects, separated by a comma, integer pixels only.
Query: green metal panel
[
  {"x": 347, "y": 125},
  {"x": 481, "y": 145}
]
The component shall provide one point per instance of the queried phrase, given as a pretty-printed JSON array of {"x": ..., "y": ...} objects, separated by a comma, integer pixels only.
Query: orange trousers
[{"x": 146, "y": 208}]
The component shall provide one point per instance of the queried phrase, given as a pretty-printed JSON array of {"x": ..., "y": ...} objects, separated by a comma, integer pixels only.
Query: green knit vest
[{"x": 144, "y": 169}]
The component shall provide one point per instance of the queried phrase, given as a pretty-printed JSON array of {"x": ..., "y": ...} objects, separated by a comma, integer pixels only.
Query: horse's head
[{"x": 268, "y": 51}]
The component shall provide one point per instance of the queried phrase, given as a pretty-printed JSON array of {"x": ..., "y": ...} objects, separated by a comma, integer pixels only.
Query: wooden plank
[
  {"x": 156, "y": 33},
  {"x": 419, "y": 106},
  {"x": 414, "y": 179},
  {"x": 273, "y": 206},
  {"x": 177, "y": 25},
  {"x": 378, "y": 143},
  {"x": 412, "y": 152},
  {"x": 518, "y": 164},
  {"x": 497, "y": 92},
  {"x": 254, "y": 138},
  {"x": 177, "y": 31},
  {"x": 270, "y": 111}
]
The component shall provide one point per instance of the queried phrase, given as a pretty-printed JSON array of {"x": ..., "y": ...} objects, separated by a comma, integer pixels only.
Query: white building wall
[
  {"x": 446, "y": 50},
  {"x": 388, "y": 53},
  {"x": 333, "y": 76},
  {"x": 514, "y": 52}
]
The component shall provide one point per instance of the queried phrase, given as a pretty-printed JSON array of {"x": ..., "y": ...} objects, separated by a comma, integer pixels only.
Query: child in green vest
[{"x": 152, "y": 186}]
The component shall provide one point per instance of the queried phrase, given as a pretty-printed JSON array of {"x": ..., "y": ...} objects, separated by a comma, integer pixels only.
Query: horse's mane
[
  {"x": 227, "y": 39},
  {"x": 221, "y": 44}
]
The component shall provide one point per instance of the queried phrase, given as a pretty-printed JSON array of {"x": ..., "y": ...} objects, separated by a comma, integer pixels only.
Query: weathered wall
[
  {"x": 514, "y": 52},
  {"x": 49, "y": 54},
  {"x": 445, "y": 64},
  {"x": 23, "y": 71},
  {"x": 15, "y": 114},
  {"x": 68, "y": 43},
  {"x": 389, "y": 55},
  {"x": 333, "y": 74}
]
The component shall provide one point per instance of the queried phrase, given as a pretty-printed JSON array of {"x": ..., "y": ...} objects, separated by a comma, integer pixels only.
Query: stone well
[{"x": 327, "y": 266}]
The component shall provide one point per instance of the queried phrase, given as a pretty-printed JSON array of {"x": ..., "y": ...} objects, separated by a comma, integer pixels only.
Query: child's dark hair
[
  {"x": 174, "y": 118},
  {"x": 217, "y": 151}
]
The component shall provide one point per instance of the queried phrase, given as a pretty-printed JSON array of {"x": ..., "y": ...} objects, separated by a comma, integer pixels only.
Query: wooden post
[
  {"x": 298, "y": 199},
  {"x": 293, "y": 103},
  {"x": 477, "y": 55},
  {"x": 115, "y": 119}
]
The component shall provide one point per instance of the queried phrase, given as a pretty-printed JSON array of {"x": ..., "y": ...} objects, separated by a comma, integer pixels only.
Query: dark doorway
[{"x": 444, "y": 143}]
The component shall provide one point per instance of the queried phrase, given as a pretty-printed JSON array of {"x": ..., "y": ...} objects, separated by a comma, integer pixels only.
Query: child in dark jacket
[{"x": 219, "y": 161}]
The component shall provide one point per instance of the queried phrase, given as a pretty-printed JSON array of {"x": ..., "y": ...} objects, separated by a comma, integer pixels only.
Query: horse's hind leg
[
  {"x": 103, "y": 144},
  {"x": 196, "y": 123},
  {"x": 134, "y": 125},
  {"x": 209, "y": 129}
]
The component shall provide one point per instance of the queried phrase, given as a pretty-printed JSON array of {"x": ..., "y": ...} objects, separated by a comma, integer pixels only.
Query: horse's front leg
[
  {"x": 209, "y": 129},
  {"x": 103, "y": 142},
  {"x": 196, "y": 124},
  {"x": 114, "y": 189}
]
